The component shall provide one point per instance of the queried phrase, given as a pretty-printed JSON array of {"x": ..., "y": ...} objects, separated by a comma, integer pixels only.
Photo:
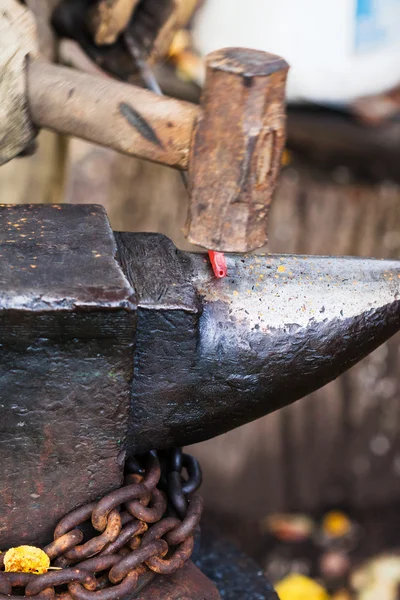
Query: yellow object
[
  {"x": 189, "y": 66},
  {"x": 181, "y": 42},
  {"x": 298, "y": 587},
  {"x": 26, "y": 559},
  {"x": 336, "y": 524},
  {"x": 286, "y": 158},
  {"x": 341, "y": 595}
]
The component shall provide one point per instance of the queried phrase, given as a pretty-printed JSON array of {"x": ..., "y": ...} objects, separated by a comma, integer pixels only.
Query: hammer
[{"x": 231, "y": 145}]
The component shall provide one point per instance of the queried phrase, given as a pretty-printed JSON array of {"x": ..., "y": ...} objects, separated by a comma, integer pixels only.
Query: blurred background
[{"x": 313, "y": 489}]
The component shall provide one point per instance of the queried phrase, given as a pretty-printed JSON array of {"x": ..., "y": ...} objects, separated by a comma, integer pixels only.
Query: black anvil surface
[{"x": 114, "y": 344}]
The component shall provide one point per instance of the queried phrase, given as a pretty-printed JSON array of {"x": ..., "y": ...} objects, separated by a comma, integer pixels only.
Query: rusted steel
[
  {"x": 136, "y": 558},
  {"x": 98, "y": 543},
  {"x": 20, "y": 579},
  {"x": 107, "y": 504},
  {"x": 236, "y": 152},
  {"x": 175, "y": 493},
  {"x": 188, "y": 583},
  {"x": 17, "y": 40},
  {"x": 122, "y": 590},
  {"x": 179, "y": 488},
  {"x": 47, "y": 594},
  {"x": 53, "y": 578},
  {"x": 64, "y": 543},
  {"x": 158, "y": 530},
  {"x": 180, "y": 556},
  {"x": 192, "y": 466},
  {"x": 134, "y": 544},
  {"x": 124, "y": 569},
  {"x": 100, "y": 563},
  {"x": 134, "y": 478},
  {"x": 153, "y": 472},
  {"x": 132, "y": 530},
  {"x": 150, "y": 514},
  {"x": 126, "y": 118},
  {"x": 73, "y": 519},
  {"x": 190, "y": 522},
  {"x": 5, "y": 585}
]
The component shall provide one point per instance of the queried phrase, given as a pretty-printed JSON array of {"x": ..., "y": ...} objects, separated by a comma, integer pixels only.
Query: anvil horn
[{"x": 214, "y": 354}]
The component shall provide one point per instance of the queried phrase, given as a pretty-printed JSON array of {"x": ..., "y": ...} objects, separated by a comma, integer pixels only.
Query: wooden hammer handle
[{"x": 124, "y": 117}]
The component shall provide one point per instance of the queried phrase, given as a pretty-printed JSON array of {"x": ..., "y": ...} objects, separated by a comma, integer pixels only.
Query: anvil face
[{"x": 115, "y": 344}]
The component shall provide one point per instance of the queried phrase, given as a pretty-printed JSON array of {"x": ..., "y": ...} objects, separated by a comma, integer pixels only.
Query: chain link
[{"x": 145, "y": 527}]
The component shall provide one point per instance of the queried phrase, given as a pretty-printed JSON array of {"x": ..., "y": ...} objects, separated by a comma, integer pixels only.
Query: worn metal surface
[
  {"x": 214, "y": 354},
  {"x": 209, "y": 354},
  {"x": 188, "y": 583},
  {"x": 126, "y": 118},
  {"x": 67, "y": 321},
  {"x": 237, "y": 148},
  {"x": 134, "y": 538}
]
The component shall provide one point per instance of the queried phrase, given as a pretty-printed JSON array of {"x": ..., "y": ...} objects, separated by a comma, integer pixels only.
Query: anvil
[{"x": 116, "y": 343}]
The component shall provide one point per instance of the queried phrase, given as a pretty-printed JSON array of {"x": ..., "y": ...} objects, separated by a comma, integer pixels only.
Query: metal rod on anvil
[{"x": 126, "y": 118}]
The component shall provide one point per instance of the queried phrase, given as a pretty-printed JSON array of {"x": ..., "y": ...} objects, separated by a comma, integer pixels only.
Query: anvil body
[{"x": 119, "y": 343}]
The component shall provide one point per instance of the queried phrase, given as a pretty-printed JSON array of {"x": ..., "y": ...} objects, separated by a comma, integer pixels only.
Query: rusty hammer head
[{"x": 236, "y": 149}]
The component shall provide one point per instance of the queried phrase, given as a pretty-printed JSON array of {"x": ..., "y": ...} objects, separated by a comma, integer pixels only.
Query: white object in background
[{"x": 338, "y": 50}]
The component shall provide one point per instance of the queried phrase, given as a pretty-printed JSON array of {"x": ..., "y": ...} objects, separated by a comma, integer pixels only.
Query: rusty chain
[{"x": 145, "y": 527}]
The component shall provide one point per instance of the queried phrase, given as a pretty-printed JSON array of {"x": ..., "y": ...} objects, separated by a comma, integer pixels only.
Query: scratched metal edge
[
  {"x": 162, "y": 256},
  {"x": 121, "y": 297},
  {"x": 48, "y": 304}
]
